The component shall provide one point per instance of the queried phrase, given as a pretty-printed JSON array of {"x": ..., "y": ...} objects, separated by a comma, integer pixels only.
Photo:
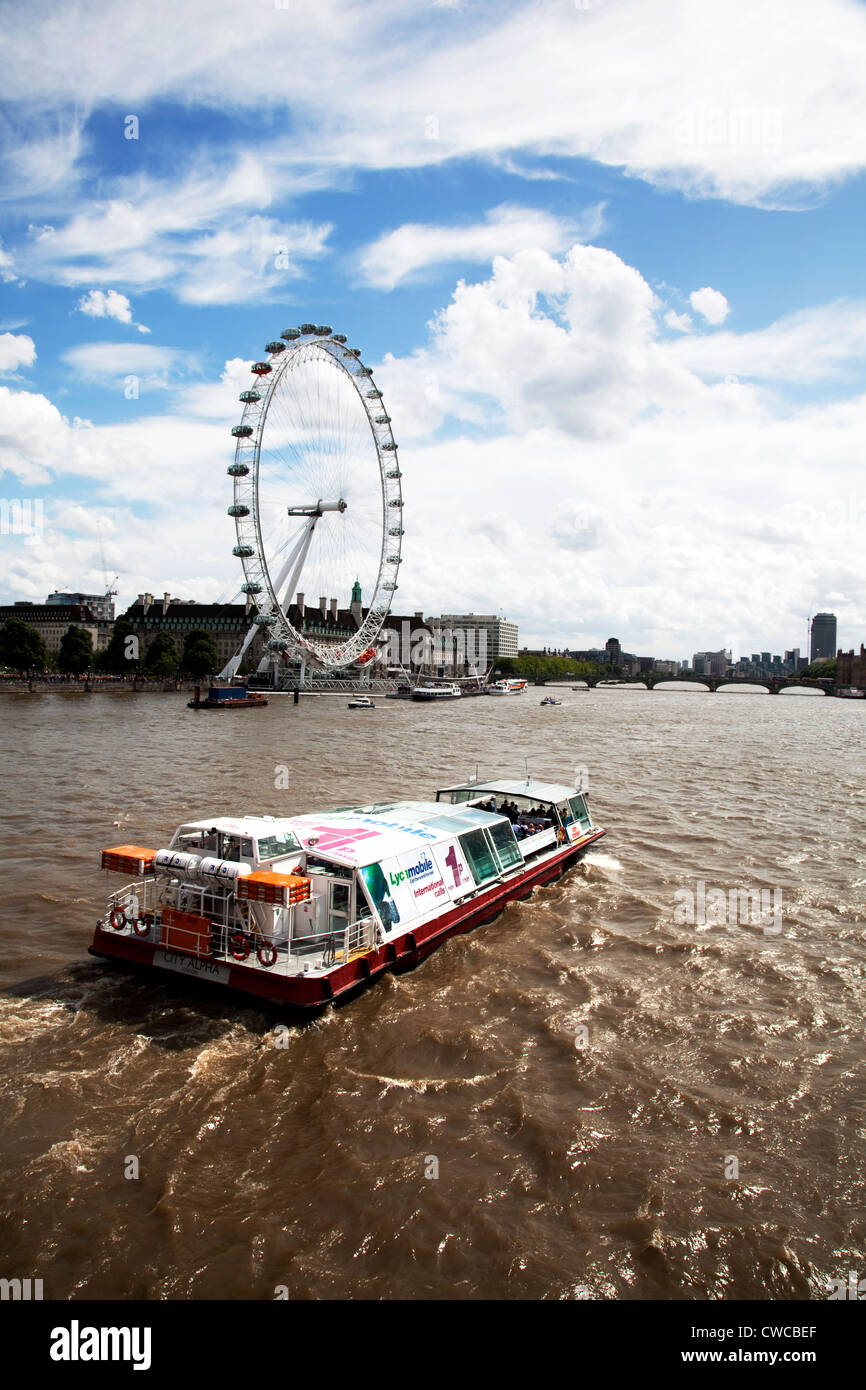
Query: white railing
[{"x": 136, "y": 910}]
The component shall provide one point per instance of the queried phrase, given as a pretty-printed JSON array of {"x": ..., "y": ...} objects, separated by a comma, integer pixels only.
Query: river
[{"x": 588, "y": 1098}]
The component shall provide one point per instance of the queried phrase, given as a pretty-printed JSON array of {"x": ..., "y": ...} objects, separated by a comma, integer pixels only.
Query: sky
[{"x": 605, "y": 258}]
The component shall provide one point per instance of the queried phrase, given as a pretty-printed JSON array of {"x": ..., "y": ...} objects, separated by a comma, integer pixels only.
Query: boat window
[
  {"x": 192, "y": 839},
  {"x": 505, "y": 844},
  {"x": 479, "y": 855},
  {"x": 578, "y": 806},
  {"x": 280, "y": 843},
  {"x": 322, "y": 866},
  {"x": 340, "y": 897},
  {"x": 459, "y": 796},
  {"x": 566, "y": 815},
  {"x": 235, "y": 848}
]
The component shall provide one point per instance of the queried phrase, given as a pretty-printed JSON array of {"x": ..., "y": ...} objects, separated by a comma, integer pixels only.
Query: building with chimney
[{"x": 851, "y": 669}]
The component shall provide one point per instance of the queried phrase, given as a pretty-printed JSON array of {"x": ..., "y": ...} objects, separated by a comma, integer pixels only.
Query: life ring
[
  {"x": 142, "y": 925},
  {"x": 267, "y": 954},
  {"x": 117, "y": 918},
  {"x": 239, "y": 946}
]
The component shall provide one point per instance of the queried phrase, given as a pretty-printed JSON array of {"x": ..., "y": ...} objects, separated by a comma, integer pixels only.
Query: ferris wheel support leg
[{"x": 298, "y": 556}]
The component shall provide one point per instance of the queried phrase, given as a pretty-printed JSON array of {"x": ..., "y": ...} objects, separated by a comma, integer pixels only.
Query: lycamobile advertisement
[
  {"x": 413, "y": 884},
  {"x": 454, "y": 869}
]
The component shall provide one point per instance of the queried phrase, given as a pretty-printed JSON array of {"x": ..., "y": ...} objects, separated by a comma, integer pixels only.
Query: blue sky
[{"x": 605, "y": 259}]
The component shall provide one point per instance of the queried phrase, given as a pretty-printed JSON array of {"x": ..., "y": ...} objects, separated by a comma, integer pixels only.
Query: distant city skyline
[{"x": 102, "y": 606}]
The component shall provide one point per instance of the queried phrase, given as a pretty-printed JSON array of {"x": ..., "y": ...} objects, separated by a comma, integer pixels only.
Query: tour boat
[
  {"x": 307, "y": 909},
  {"x": 507, "y": 687},
  {"x": 431, "y": 690},
  {"x": 227, "y": 697}
]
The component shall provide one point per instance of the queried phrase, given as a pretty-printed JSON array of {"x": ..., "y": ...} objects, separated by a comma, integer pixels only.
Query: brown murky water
[{"x": 563, "y": 1171}]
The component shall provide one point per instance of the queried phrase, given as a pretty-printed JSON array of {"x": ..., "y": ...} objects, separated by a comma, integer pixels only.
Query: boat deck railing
[{"x": 163, "y": 915}]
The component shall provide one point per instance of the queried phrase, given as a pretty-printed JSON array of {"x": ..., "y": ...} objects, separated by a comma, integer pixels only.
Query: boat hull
[
  {"x": 227, "y": 704},
  {"x": 311, "y": 993}
]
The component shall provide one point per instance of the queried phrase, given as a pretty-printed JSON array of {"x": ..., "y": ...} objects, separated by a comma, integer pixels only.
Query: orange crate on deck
[
  {"x": 282, "y": 889},
  {"x": 129, "y": 859},
  {"x": 186, "y": 932}
]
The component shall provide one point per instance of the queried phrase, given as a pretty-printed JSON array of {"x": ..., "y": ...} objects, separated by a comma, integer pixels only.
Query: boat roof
[
  {"x": 360, "y": 835},
  {"x": 354, "y": 836},
  {"x": 524, "y": 786},
  {"x": 253, "y": 826}
]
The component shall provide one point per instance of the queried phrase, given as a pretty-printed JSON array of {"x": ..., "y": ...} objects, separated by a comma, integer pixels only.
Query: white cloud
[
  {"x": 7, "y": 274},
  {"x": 415, "y": 247},
  {"x": 110, "y": 364},
  {"x": 813, "y": 345},
  {"x": 544, "y": 342},
  {"x": 710, "y": 304},
  {"x": 194, "y": 233},
  {"x": 753, "y": 100},
  {"x": 43, "y": 159},
  {"x": 603, "y": 439},
  {"x": 108, "y": 304},
  {"x": 16, "y": 350},
  {"x": 681, "y": 322},
  {"x": 35, "y": 439}
]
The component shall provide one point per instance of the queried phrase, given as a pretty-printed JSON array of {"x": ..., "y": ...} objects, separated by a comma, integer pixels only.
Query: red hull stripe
[{"x": 311, "y": 992}]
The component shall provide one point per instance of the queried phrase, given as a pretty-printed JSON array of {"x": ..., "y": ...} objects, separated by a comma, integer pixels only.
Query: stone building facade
[{"x": 851, "y": 669}]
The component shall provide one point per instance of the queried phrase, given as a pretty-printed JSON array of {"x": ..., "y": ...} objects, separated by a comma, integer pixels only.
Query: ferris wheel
[{"x": 318, "y": 505}]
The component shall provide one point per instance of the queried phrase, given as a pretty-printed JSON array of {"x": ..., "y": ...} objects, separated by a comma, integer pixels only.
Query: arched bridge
[{"x": 650, "y": 679}]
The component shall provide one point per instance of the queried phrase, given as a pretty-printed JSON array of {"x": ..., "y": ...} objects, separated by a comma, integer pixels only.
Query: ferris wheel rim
[{"x": 294, "y": 347}]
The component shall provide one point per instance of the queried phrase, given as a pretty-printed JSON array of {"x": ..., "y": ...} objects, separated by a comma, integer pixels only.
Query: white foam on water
[{"x": 600, "y": 860}]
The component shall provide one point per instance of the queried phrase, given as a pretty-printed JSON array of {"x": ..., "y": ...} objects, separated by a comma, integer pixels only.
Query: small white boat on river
[
  {"x": 436, "y": 690},
  {"x": 507, "y": 687}
]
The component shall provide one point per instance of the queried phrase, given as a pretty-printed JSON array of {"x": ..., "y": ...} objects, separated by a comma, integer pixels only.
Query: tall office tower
[{"x": 823, "y": 637}]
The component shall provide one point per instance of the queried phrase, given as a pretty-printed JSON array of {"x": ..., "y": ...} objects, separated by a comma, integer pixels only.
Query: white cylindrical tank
[
  {"x": 177, "y": 863},
  {"x": 195, "y": 867},
  {"x": 225, "y": 869}
]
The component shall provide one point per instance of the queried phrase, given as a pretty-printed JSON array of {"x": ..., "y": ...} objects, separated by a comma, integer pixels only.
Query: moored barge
[
  {"x": 306, "y": 909},
  {"x": 227, "y": 697}
]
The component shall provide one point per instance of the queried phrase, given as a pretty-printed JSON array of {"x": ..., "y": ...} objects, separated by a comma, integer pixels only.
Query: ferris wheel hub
[{"x": 318, "y": 508}]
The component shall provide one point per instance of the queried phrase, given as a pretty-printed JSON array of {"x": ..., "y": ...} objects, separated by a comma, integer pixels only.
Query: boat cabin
[{"x": 537, "y": 811}]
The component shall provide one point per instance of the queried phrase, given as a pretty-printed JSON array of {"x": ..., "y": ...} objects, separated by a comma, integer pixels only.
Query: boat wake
[{"x": 599, "y": 860}]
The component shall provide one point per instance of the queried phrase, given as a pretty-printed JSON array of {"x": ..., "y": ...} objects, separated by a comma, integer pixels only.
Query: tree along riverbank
[{"x": 93, "y": 685}]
